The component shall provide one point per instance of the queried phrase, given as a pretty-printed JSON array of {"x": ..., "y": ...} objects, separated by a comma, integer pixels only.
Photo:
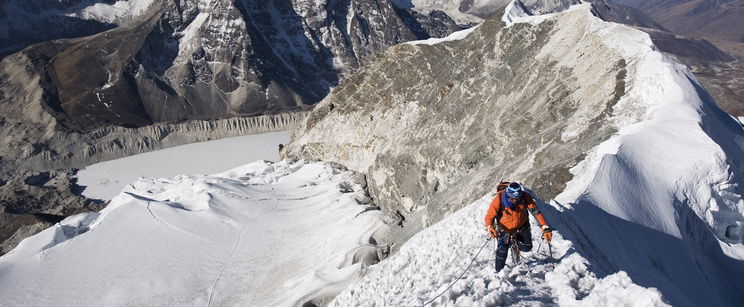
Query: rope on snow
[{"x": 461, "y": 275}]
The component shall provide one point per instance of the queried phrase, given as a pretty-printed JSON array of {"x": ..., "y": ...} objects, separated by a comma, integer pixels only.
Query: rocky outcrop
[
  {"x": 49, "y": 193},
  {"x": 32, "y": 201},
  {"x": 14, "y": 228},
  {"x": 435, "y": 126}
]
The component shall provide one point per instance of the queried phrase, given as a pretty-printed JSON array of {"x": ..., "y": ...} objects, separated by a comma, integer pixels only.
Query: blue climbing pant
[{"x": 523, "y": 237}]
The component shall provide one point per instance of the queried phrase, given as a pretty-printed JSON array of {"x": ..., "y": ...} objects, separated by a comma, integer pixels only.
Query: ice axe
[{"x": 551, "y": 260}]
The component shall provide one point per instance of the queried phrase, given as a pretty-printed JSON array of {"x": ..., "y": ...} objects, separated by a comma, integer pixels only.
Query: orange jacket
[{"x": 513, "y": 219}]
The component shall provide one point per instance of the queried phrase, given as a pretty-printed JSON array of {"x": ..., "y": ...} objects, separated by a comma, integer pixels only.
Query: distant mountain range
[
  {"x": 717, "y": 19},
  {"x": 720, "y": 22}
]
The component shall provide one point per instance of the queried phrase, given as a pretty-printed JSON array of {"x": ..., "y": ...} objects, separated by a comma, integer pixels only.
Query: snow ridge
[
  {"x": 656, "y": 209},
  {"x": 454, "y": 36},
  {"x": 407, "y": 279}
]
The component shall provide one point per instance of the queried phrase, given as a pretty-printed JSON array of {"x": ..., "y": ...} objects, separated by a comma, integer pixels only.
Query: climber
[{"x": 507, "y": 214}]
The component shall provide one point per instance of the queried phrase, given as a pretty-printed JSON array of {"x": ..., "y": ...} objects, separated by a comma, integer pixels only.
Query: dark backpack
[{"x": 502, "y": 186}]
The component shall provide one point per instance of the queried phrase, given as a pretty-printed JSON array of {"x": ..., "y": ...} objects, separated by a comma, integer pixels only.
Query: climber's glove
[
  {"x": 547, "y": 233},
  {"x": 492, "y": 231}
]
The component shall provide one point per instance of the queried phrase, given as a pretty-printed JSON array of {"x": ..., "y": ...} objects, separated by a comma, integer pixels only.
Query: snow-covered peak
[
  {"x": 514, "y": 11},
  {"x": 20, "y": 14},
  {"x": 120, "y": 12}
]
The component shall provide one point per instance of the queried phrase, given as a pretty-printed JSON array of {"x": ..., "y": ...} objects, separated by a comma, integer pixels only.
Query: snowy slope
[
  {"x": 663, "y": 199},
  {"x": 106, "y": 179},
  {"x": 262, "y": 234},
  {"x": 660, "y": 204},
  {"x": 120, "y": 12},
  {"x": 433, "y": 259}
]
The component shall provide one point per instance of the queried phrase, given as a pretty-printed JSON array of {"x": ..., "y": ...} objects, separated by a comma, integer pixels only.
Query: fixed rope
[{"x": 461, "y": 275}]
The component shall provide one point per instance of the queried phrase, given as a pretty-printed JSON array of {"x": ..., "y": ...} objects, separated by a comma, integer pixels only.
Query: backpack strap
[{"x": 500, "y": 209}]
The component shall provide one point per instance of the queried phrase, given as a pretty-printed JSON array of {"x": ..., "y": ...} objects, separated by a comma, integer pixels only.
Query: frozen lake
[{"x": 107, "y": 179}]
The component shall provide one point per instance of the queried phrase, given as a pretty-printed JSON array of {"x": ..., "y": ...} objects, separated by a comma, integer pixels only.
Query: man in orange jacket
[{"x": 507, "y": 214}]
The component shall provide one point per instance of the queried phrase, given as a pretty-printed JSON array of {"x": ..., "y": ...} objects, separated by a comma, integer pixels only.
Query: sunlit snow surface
[
  {"x": 452, "y": 37},
  {"x": 262, "y": 234},
  {"x": 119, "y": 12},
  {"x": 106, "y": 179},
  {"x": 430, "y": 261}
]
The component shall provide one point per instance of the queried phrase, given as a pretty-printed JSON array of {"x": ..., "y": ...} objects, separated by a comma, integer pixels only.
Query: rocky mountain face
[
  {"x": 721, "y": 72},
  {"x": 206, "y": 59},
  {"x": 433, "y": 126}
]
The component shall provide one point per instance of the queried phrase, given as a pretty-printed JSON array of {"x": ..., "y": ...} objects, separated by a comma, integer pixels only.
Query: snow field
[
  {"x": 264, "y": 234},
  {"x": 431, "y": 260},
  {"x": 107, "y": 179}
]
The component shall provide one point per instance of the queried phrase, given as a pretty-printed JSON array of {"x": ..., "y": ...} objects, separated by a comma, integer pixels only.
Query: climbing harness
[{"x": 516, "y": 256}]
